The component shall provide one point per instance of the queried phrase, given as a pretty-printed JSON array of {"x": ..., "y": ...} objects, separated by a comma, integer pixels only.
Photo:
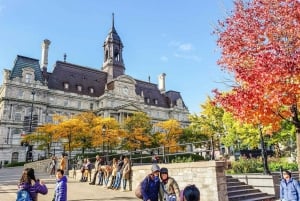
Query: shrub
[{"x": 255, "y": 165}]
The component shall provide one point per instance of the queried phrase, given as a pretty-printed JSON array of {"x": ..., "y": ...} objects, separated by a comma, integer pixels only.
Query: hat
[
  {"x": 164, "y": 170},
  {"x": 155, "y": 168}
]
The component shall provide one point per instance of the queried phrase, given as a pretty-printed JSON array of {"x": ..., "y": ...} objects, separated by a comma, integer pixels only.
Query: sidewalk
[{"x": 77, "y": 191}]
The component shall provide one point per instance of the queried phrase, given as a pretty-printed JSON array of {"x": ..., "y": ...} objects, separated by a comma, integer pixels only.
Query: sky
[{"x": 170, "y": 36}]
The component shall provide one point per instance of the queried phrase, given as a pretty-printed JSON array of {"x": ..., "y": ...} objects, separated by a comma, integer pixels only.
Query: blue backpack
[{"x": 23, "y": 195}]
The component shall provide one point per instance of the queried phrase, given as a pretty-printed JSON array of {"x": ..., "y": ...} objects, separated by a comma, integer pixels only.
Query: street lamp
[
  {"x": 31, "y": 112},
  {"x": 103, "y": 135},
  {"x": 30, "y": 147}
]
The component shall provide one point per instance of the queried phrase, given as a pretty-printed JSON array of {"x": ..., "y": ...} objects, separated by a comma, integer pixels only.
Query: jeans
[
  {"x": 118, "y": 180},
  {"x": 106, "y": 179},
  {"x": 100, "y": 176},
  {"x": 124, "y": 181}
]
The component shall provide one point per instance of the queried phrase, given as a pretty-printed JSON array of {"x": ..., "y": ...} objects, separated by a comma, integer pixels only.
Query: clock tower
[{"x": 113, "y": 57}]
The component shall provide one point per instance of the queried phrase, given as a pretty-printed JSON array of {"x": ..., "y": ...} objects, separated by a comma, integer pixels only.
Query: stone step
[
  {"x": 248, "y": 196},
  {"x": 235, "y": 183},
  {"x": 239, "y": 191},
  {"x": 265, "y": 198},
  {"x": 242, "y": 191},
  {"x": 238, "y": 187}
]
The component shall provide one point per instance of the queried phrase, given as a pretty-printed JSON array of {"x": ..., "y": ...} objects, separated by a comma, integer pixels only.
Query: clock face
[{"x": 125, "y": 90}]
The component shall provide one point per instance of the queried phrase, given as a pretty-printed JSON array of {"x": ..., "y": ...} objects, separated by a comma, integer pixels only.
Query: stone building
[{"x": 30, "y": 95}]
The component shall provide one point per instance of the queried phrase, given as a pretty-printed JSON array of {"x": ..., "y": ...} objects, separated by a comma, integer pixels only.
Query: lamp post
[
  {"x": 30, "y": 147},
  {"x": 103, "y": 135},
  {"x": 31, "y": 111}
]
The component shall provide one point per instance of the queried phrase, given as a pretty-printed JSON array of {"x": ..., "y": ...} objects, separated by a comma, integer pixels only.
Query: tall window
[
  {"x": 66, "y": 102},
  {"x": 28, "y": 77},
  {"x": 17, "y": 116}
]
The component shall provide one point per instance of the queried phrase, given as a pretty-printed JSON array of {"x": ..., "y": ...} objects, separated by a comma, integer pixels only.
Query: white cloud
[
  {"x": 188, "y": 57},
  {"x": 181, "y": 46},
  {"x": 164, "y": 58},
  {"x": 185, "y": 47}
]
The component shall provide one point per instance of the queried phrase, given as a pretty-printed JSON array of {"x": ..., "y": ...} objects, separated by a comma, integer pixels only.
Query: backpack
[
  {"x": 23, "y": 195},
  {"x": 138, "y": 190}
]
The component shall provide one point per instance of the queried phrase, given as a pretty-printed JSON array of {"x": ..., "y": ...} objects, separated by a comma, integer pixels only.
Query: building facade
[{"x": 30, "y": 95}]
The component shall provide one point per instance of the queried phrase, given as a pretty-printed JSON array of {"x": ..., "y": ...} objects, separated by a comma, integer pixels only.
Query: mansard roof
[
  {"x": 173, "y": 96},
  {"x": 74, "y": 76},
  {"x": 25, "y": 62},
  {"x": 151, "y": 92}
]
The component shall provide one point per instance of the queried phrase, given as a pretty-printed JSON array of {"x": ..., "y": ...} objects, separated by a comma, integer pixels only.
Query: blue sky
[{"x": 170, "y": 36}]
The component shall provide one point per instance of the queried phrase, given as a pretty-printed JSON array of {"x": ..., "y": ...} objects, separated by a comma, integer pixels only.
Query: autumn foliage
[{"x": 260, "y": 47}]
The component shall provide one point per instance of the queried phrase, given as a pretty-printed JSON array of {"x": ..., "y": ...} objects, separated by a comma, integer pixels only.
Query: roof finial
[
  {"x": 65, "y": 57},
  {"x": 113, "y": 20}
]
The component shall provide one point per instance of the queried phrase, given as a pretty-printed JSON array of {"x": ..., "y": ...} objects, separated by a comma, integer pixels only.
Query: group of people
[
  {"x": 33, "y": 186},
  {"x": 109, "y": 175},
  {"x": 158, "y": 185}
]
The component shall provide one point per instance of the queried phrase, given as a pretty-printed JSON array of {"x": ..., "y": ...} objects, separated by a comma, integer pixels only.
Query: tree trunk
[
  {"x": 296, "y": 122},
  {"x": 264, "y": 155}
]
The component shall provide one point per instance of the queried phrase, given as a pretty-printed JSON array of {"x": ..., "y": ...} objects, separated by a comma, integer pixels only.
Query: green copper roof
[{"x": 25, "y": 62}]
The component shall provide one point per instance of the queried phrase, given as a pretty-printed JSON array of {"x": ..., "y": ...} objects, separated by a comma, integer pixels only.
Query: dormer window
[
  {"x": 91, "y": 90},
  {"x": 28, "y": 77},
  {"x": 155, "y": 101},
  {"x": 79, "y": 88},
  {"x": 66, "y": 85},
  {"x": 147, "y": 100}
]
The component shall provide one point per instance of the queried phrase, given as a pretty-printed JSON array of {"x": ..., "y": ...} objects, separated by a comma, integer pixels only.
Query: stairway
[{"x": 239, "y": 191}]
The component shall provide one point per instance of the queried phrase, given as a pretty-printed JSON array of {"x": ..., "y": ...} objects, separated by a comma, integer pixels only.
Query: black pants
[{"x": 94, "y": 177}]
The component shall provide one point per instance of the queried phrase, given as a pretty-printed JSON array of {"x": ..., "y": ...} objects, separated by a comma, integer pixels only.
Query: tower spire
[{"x": 113, "y": 20}]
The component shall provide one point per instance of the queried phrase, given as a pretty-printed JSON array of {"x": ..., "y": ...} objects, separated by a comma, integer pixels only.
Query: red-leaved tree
[{"x": 260, "y": 47}]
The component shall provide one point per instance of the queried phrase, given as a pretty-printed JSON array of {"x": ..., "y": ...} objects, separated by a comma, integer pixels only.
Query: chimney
[
  {"x": 44, "y": 59},
  {"x": 161, "y": 83}
]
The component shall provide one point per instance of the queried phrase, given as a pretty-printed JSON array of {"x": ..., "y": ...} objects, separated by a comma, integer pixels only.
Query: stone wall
[
  {"x": 208, "y": 176},
  {"x": 38, "y": 166}
]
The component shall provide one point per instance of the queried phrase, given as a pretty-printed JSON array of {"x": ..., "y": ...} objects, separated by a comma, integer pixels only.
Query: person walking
[
  {"x": 289, "y": 187},
  {"x": 169, "y": 187},
  {"x": 96, "y": 169},
  {"x": 190, "y": 193},
  {"x": 63, "y": 162},
  {"x": 60, "y": 191},
  {"x": 29, "y": 183},
  {"x": 151, "y": 184},
  {"x": 52, "y": 166}
]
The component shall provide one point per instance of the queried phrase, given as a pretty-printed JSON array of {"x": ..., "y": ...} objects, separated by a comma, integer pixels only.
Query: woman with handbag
[{"x": 169, "y": 187}]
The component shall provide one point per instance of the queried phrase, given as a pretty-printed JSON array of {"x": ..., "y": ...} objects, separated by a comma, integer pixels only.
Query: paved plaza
[{"x": 77, "y": 191}]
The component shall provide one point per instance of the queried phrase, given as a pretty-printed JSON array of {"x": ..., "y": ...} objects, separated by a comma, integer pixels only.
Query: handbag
[{"x": 169, "y": 197}]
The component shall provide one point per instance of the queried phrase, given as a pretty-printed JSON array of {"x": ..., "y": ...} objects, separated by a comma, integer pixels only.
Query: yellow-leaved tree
[
  {"x": 68, "y": 131},
  {"x": 137, "y": 131},
  {"x": 105, "y": 132},
  {"x": 170, "y": 133}
]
